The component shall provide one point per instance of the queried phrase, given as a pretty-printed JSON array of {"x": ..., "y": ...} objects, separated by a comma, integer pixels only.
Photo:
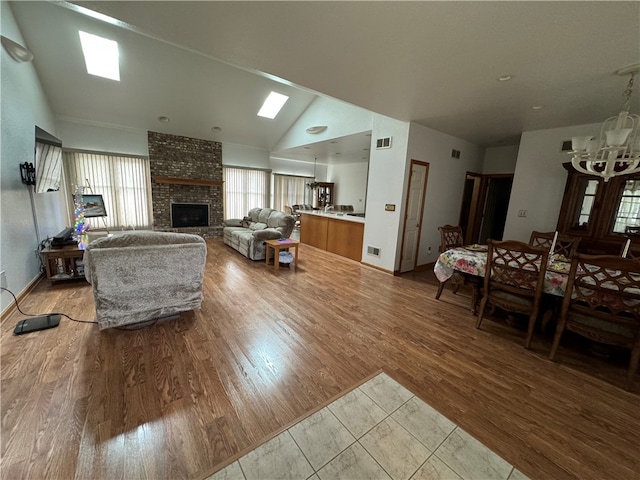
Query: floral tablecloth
[{"x": 474, "y": 262}]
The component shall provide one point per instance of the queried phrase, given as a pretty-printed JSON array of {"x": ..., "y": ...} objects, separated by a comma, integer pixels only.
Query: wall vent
[
  {"x": 455, "y": 153},
  {"x": 375, "y": 251},
  {"x": 383, "y": 142},
  {"x": 566, "y": 146}
]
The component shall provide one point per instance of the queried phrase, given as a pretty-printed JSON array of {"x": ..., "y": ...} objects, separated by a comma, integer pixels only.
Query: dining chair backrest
[
  {"x": 450, "y": 237},
  {"x": 632, "y": 252},
  {"x": 566, "y": 245},
  {"x": 516, "y": 267},
  {"x": 514, "y": 280},
  {"x": 602, "y": 303}
]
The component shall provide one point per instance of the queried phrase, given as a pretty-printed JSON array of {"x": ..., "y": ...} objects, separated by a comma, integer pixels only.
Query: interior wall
[
  {"x": 445, "y": 183},
  {"x": 24, "y": 105},
  {"x": 500, "y": 160},
  {"x": 387, "y": 169},
  {"x": 102, "y": 138},
  {"x": 539, "y": 180},
  {"x": 243, "y": 156},
  {"x": 341, "y": 118},
  {"x": 350, "y": 184}
]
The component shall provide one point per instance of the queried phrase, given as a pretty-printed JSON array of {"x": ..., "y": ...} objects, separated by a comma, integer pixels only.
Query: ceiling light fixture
[
  {"x": 16, "y": 51},
  {"x": 164, "y": 119},
  {"x": 316, "y": 129},
  {"x": 504, "y": 78},
  {"x": 272, "y": 105},
  {"x": 216, "y": 129},
  {"x": 537, "y": 107},
  {"x": 617, "y": 150},
  {"x": 100, "y": 56}
]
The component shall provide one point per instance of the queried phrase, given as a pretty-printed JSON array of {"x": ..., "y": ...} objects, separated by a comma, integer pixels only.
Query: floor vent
[
  {"x": 375, "y": 251},
  {"x": 455, "y": 153},
  {"x": 383, "y": 142}
]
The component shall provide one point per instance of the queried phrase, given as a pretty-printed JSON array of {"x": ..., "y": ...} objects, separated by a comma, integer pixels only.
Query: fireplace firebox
[{"x": 189, "y": 215}]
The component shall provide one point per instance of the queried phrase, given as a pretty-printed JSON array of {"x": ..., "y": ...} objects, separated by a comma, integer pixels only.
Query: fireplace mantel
[{"x": 187, "y": 181}]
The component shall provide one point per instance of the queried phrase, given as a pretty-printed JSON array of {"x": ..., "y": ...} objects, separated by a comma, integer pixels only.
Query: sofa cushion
[
  {"x": 263, "y": 217},
  {"x": 257, "y": 226},
  {"x": 254, "y": 213}
]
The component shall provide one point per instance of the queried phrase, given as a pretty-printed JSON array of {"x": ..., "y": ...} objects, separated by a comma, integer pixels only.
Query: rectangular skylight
[
  {"x": 272, "y": 105},
  {"x": 100, "y": 56}
]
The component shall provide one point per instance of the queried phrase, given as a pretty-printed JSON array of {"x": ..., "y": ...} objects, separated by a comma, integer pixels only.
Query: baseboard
[
  {"x": 377, "y": 268},
  {"x": 11, "y": 308}
]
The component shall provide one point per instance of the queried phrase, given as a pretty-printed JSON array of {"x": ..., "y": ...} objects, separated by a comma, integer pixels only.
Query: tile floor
[{"x": 380, "y": 430}]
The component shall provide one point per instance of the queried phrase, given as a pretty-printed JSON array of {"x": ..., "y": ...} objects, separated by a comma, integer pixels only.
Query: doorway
[
  {"x": 414, "y": 210},
  {"x": 485, "y": 201}
]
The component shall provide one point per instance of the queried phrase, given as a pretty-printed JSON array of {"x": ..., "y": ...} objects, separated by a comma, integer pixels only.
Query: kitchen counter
[
  {"x": 336, "y": 215},
  {"x": 337, "y": 233}
]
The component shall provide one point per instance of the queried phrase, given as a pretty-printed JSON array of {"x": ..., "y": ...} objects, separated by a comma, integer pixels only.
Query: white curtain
[
  {"x": 48, "y": 167},
  {"x": 244, "y": 189},
  {"x": 288, "y": 190},
  {"x": 123, "y": 181}
]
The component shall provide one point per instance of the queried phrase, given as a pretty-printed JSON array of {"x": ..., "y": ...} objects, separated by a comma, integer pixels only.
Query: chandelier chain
[{"x": 627, "y": 93}]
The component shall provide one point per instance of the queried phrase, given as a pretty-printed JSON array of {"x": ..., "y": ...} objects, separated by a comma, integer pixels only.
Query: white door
[{"x": 413, "y": 215}]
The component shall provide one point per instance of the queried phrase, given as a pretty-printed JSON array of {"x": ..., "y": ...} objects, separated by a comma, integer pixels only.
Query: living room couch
[
  {"x": 143, "y": 275},
  {"x": 248, "y": 235}
]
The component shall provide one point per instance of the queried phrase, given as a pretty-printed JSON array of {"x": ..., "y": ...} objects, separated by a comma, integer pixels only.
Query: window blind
[
  {"x": 288, "y": 190},
  {"x": 244, "y": 189},
  {"x": 123, "y": 181}
]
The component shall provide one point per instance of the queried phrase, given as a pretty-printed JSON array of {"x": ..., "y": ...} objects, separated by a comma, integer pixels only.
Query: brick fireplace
[{"x": 185, "y": 171}]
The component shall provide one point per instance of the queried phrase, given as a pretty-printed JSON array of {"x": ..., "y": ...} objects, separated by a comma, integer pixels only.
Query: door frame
[{"x": 406, "y": 208}]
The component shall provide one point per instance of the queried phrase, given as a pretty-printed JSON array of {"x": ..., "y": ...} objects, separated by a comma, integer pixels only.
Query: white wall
[
  {"x": 341, "y": 118},
  {"x": 102, "y": 138},
  {"x": 445, "y": 183},
  {"x": 500, "y": 160},
  {"x": 539, "y": 180},
  {"x": 24, "y": 105},
  {"x": 241, "y": 156},
  {"x": 351, "y": 184},
  {"x": 387, "y": 168}
]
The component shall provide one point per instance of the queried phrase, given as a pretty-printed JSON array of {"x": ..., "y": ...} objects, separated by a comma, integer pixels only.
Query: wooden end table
[
  {"x": 63, "y": 263},
  {"x": 278, "y": 245}
]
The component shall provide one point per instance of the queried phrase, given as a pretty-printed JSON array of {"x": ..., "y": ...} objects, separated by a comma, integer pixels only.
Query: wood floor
[{"x": 175, "y": 399}]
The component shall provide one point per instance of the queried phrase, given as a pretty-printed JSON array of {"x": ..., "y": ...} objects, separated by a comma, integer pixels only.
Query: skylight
[
  {"x": 100, "y": 56},
  {"x": 272, "y": 105}
]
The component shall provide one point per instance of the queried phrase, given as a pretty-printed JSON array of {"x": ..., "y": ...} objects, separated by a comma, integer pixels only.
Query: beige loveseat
[
  {"x": 143, "y": 275},
  {"x": 248, "y": 235}
]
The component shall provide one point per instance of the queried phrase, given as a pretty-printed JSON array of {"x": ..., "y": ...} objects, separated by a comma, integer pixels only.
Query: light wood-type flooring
[{"x": 175, "y": 399}]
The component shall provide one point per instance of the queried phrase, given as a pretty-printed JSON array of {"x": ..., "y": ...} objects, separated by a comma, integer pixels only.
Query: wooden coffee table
[{"x": 278, "y": 245}]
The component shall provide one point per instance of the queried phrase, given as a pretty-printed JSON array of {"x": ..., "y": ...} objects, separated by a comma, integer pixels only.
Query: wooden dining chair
[
  {"x": 514, "y": 280},
  {"x": 451, "y": 237},
  {"x": 566, "y": 245},
  {"x": 602, "y": 303}
]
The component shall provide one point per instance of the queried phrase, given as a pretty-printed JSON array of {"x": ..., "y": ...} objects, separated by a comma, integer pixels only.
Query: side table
[
  {"x": 63, "y": 263},
  {"x": 276, "y": 246}
]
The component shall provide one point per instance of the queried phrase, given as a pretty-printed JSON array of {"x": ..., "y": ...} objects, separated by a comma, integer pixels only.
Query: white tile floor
[{"x": 380, "y": 430}]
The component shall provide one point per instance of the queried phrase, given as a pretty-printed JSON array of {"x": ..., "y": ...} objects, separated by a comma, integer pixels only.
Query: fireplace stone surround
[{"x": 185, "y": 170}]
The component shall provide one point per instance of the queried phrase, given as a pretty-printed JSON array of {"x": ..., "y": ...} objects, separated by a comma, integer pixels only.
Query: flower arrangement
[{"x": 313, "y": 185}]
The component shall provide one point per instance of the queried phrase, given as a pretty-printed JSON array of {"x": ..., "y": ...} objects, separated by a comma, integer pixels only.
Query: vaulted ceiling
[{"x": 208, "y": 64}]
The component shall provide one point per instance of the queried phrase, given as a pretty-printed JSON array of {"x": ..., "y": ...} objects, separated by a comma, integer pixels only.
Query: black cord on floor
[{"x": 42, "y": 314}]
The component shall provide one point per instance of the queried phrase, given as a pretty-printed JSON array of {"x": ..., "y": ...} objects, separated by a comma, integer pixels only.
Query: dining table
[{"x": 472, "y": 260}]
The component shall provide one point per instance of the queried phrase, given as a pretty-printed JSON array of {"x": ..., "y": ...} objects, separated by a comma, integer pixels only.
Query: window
[
  {"x": 123, "y": 181},
  {"x": 244, "y": 189},
  {"x": 288, "y": 190},
  {"x": 628, "y": 214}
]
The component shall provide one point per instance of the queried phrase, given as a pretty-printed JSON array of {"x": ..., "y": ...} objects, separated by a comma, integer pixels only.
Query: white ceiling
[{"x": 434, "y": 63}]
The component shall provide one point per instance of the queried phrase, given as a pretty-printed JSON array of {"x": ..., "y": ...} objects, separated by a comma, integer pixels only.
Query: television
[{"x": 93, "y": 205}]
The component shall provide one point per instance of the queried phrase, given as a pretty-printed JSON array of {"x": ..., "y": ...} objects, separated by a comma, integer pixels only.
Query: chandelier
[{"x": 617, "y": 150}]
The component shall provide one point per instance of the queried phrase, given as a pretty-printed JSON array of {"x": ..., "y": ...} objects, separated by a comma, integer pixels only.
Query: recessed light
[
  {"x": 537, "y": 107},
  {"x": 164, "y": 119},
  {"x": 307, "y": 148},
  {"x": 216, "y": 129},
  {"x": 365, "y": 149},
  {"x": 316, "y": 129},
  {"x": 100, "y": 56},
  {"x": 504, "y": 78},
  {"x": 338, "y": 153},
  {"x": 333, "y": 141},
  {"x": 272, "y": 105}
]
